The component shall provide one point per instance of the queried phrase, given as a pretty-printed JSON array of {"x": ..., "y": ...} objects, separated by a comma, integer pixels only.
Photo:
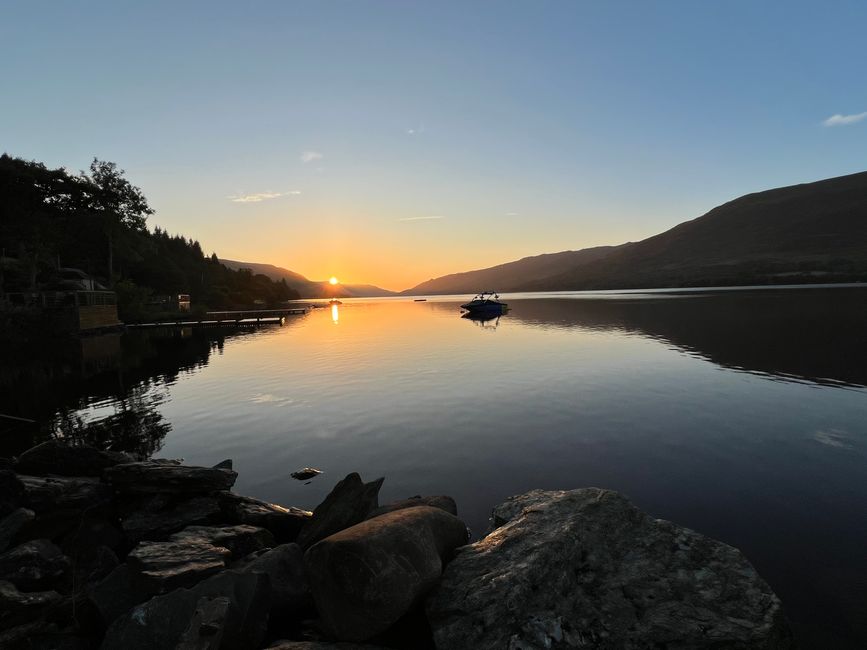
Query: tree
[{"x": 122, "y": 206}]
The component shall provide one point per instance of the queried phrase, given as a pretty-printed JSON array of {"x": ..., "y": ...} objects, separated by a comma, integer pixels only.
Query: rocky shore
[{"x": 99, "y": 550}]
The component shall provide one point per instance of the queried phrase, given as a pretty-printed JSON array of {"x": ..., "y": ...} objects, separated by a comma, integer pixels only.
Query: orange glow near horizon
[{"x": 333, "y": 280}]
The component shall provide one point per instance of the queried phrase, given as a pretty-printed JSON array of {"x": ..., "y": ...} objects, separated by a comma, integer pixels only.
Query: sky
[{"x": 392, "y": 142}]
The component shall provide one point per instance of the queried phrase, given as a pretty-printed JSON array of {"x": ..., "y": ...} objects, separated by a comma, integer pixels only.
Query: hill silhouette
[
  {"x": 309, "y": 288},
  {"x": 813, "y": 232}
]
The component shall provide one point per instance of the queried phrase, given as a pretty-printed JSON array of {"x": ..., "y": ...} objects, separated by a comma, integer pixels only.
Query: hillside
[
  {"x": 813, "y": 232},
  {"x": 310, "y": 288},
  {"x": 506, "y": 277}
]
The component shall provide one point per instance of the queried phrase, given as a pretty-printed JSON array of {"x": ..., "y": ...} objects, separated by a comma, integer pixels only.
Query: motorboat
[{"x": 486, "y": 302}]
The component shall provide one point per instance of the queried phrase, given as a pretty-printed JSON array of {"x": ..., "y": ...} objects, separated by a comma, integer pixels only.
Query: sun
[{"x": 333, "y": 280}]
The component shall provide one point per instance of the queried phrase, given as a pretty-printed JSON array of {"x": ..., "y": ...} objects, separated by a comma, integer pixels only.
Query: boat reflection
[{"x": 485, "y": 321}]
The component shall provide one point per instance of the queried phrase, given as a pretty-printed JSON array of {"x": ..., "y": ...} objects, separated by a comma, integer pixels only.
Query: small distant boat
[
  {"x": 334, "y": 301},
  {"x": 486, "y": 302},
  {"x": 420, "y": 300}
]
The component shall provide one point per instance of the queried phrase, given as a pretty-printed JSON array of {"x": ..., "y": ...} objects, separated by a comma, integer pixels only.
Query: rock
[
  {"x": 33, "y": 565},
  {"x": 586, "y": 568},
  {"x": 224, "y": 464},
  {"x": 320, "y": 645},
  {"x": 24, "y": 636},
  {"x": 93, "y": 546},
  {"x": 49, "y": 493},
  {"x": 116, "y": 594},
  {"x": 160, "y": 567},
  {"x": 163, "y": 621},
  {"x": 284, "y": 566},
  {"x": 149, "y": 477},
  {"x": 366, "y": 577},
  {"x": 11, "y": 524},
  {"x": 346, "y": 505},
  {"x": 442, "y": 502},
  {"x": 306, "y": 473},
  {"x": 11, "y": 492},
  {"x": 22, "y": 607},
  {"x": 240, "y": 540},
  {"x": 62, "y": 459},
  {"x": 150, "y": 523},
  {"x": 284, "y": 523},
  {"x": 215, "y": 621}
]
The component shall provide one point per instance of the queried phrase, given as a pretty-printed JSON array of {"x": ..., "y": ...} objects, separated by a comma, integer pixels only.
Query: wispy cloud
[
  {"x": 433, "y": 216},
  {"x": 834, "y": 438},
  {"x": 416, "y": 131},
  {"x": 260, "y": 196},
  {"x": 310, "y": 156},
  {"x": 843, "y": 120}
]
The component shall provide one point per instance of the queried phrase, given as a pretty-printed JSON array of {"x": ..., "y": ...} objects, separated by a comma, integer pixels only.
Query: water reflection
[
  {"x": 808, "y": 335},
  {"x": 484, "y": 321},
  {"x": 335, "y": 313}
]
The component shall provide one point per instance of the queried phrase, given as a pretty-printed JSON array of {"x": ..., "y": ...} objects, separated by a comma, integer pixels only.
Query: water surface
[{"x": 741, "y": 414}]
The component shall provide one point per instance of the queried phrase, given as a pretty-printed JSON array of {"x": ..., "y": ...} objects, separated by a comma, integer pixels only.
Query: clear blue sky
[{"x": 408, "y": 140}]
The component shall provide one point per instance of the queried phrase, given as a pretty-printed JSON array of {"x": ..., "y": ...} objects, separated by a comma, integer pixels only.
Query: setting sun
[{"x": 333, "y": 280}]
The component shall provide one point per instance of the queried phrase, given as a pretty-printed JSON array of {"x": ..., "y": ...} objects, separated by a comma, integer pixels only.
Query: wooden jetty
[{"x": 243, "y": 319}]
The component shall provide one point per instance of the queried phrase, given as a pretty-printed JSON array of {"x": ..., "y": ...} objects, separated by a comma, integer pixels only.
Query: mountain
[
  {"x": 813, "y": 232},
  {"x": 310, "y": 288},
  {"x": 505, "y": 277}
]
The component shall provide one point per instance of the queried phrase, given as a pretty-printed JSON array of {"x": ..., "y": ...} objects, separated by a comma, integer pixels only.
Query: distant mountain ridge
[
  {"x": 812, "y": 232},
  {"x": 310, "y": 288}
]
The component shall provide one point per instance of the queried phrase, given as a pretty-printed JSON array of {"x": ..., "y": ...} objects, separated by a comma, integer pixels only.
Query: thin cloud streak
[
  {"x": 260, "y": 196},
  {"x": 843, "y": 120},
  {"x": 310, "y": 156},
  {"x": 435, "y": 216}
]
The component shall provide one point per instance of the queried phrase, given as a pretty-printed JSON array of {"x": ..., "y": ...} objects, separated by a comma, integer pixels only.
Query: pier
[{"x": 241, "y": 319}]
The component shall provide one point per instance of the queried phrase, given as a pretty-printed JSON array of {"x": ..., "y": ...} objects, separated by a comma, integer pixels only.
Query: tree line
[{"x": 96, "y": 221}]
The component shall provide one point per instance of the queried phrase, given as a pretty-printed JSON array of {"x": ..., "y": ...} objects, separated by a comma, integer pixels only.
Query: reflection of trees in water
[{"x": 135, "y": 426}]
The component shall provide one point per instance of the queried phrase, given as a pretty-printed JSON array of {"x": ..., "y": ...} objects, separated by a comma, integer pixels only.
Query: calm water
[{"x": 741, "y": 414}]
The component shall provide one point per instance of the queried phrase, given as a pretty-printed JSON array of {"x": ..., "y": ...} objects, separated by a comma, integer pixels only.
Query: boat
[
  {"x": 420, "y": 300},
  {"x": 486, "y": 302},
  {"x": 334, "y": 301}
]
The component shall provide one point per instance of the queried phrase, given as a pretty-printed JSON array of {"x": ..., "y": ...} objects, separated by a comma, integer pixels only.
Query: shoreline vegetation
[{"x": 104, "y": 550}]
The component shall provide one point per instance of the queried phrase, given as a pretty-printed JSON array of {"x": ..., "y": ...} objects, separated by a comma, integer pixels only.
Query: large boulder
[
  {"x": 214, "y": 625},
  {"x": 11, "y": 492},
  {"x": 442, "y": 502},
  {"x": 347, "y": 504},
  {"x": 284, "y": 565},
  {"x": 116, "y": 593},
  {"x": 62, "y": 459},
  {"x": 44, "y": 494},
  {"x": 368, "y": 576},
  {"x": 37, "y": 564},
  {"x": 164, "y": 621},
  {"x": 240, "y": 540},
  {"x": 284, "y": 523},
  {"x": 158, "y": 517},
  {"x": 11, "y": 524},
  {"x": 149, "y": 477},
  {"x": 160, "y": 567},
  {"x": 586, "y": 568},
  {"x": 17, "y": 607}
]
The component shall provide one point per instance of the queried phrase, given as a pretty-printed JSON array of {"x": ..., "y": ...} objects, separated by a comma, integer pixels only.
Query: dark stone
[
  {"x": 442, "y": 502},
  {"x": 347, "y": 504},
  {"x": 284, "y": 523},
  {"x": 149, "y": 523},
  {"x": 215, "y": 624},
  {"x": 34, "y": 565},
  {"x": 241, "y": 540},
  {"x": 586, "y": 568},
  {"x": 62, "y": 459},
  {"x": 17, "y": 607},
  {"x": 321, "y": 645},
  {"x": 6, "y": 463},
  {"x": 116, "y": 594},
  {"x": 48, "y": 493},
  {"x": 284, "y": 565},
  {"x": 160, "y": 567},
  {"x": 224, "y": 464},
  {"x": 11, "y": 492},
  {"x": 306, "y": 473},
  {"x": 11, "y": 524},
  {"x": 24, "y": 637},
  {"x": 93, "y": 546},
  {"x": 162, "y": 621},
  {"x": 365, "y": 578},
  {"x": 148, "y": 477}
]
